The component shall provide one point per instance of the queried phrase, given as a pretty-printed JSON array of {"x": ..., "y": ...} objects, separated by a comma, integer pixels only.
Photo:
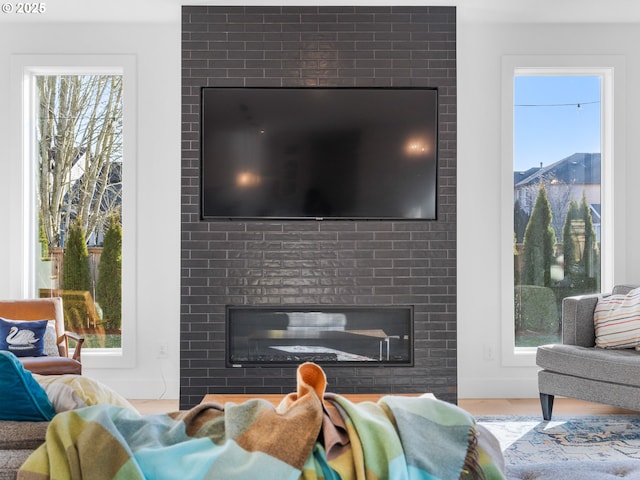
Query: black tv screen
[{"x": 319, "y": 153}]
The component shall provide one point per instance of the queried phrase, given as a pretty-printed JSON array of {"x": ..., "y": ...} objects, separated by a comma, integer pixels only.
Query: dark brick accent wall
[{"x": 309, "y": 262}]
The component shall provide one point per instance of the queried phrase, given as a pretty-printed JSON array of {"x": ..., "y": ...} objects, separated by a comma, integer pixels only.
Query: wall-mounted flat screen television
[{"x": 319, "y": 153}]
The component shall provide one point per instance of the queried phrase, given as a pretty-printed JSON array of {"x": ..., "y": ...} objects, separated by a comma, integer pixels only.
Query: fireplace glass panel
[{"x": 263, "y": 336}]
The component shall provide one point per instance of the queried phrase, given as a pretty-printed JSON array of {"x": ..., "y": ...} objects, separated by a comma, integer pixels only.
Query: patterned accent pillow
[
  {"x": 51, "y": 340},
  {"x": 617, "y": 321},
  {"x": 23, "y": 339},
  {"x": 69, "y": 392},
  {"x": 50, "y": 337}
]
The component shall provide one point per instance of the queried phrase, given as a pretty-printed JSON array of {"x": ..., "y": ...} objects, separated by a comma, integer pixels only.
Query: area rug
[
  {"x": 583, "y": 438},
  {"x": 581, "y": 447}
]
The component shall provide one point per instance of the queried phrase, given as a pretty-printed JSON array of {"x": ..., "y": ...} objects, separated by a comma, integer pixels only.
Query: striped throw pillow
[{"x": 617, "y": 321}]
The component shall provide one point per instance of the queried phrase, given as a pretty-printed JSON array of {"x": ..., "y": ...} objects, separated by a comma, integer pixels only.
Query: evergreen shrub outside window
[
  {"x": 79, "y": 169},
  {"x": 556, "y": 216}
]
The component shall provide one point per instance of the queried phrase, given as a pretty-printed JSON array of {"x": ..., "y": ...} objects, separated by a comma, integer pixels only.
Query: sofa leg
[{"x": 546, "y": 401}]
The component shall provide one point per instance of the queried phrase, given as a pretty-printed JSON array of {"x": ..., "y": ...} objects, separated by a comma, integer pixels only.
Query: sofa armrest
[
  {"x": 78, "y": 347},
  {"x": 577, "y": 320},
  {"x": 623, "y": 289},
  {"x": 577, "y": 316}
]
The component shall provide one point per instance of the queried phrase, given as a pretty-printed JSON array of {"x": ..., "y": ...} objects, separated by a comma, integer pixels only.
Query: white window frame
[
  {"x": 611, "y": 70},
  {"x": 23, "y": 218}
]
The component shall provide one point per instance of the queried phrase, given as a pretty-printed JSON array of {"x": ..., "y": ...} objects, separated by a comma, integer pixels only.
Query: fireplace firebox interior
[{"x": 273, "y": 336}]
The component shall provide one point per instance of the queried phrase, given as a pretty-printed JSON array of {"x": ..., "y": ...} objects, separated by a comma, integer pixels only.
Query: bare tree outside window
[
  {"x": 79, "y": 184},
  {"x": 557, "y": 199}
]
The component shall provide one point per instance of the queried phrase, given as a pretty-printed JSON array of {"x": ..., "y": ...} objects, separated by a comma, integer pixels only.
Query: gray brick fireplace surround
[{"x": 318, "y": 263}]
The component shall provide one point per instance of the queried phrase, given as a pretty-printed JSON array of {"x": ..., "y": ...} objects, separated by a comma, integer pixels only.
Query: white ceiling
[{"x": 553, "y": 11}]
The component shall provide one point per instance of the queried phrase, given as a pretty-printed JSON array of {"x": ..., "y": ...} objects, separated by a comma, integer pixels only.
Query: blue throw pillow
[
  {"x": 22, "y": 398},
  {"x": 23, "y": 339}
]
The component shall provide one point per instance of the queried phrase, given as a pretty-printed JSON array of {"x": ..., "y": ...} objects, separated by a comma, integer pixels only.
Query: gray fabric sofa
[
  {"x": 577, "y": 369},
  {"x": 17, "y": 441}
]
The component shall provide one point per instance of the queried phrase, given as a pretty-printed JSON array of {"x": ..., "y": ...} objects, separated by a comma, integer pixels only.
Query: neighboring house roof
[
  {"x": 579, "y": 168},
  {"x": 521, "y": 176}
]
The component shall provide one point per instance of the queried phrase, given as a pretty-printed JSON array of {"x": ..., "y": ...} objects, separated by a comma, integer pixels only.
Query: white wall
[
  {"x": 157, "y": 51},
  {"x": 481, "y": 45}
]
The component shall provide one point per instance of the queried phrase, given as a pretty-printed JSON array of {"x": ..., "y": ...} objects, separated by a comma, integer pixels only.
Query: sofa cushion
[
  {"x": 11, "y": 461},
  {"x": 22, "y": 397},
  {"x": 23, "y": 339},
  {"x": 614, "y": 366},
  {"x": 617, "y": 320},
  {"x": 16, "y": 435}
]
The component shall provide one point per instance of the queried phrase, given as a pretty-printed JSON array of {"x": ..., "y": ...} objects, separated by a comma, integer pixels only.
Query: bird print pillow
[{"x": 23, "y": 339}]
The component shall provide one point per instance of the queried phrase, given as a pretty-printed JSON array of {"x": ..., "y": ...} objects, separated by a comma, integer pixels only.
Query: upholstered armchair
[
  {"x": 576, "y": 368},
  {"x": 46, "y": 309}
]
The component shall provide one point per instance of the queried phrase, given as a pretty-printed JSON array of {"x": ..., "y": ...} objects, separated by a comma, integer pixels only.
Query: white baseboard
[
  {"x": 497, "y": 388},
  {"x": 136, "y": 388}
]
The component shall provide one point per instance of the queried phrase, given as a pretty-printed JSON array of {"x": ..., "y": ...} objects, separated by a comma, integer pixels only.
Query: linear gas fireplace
[{"x": 273, "y": 336}]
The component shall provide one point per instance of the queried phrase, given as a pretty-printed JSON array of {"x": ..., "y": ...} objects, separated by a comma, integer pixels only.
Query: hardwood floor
[
  {"x": 146, "y": 407},
  {"x": 476, "y": 406},
  {"x": 531, "y": 406}
]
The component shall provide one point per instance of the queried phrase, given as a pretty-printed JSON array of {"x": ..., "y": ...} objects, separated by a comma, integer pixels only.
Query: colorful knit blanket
[{"x": 310, "y": 435}]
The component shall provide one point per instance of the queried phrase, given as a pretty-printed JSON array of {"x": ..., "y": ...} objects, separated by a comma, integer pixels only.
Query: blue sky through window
[{"x": 554, "y": 117}]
